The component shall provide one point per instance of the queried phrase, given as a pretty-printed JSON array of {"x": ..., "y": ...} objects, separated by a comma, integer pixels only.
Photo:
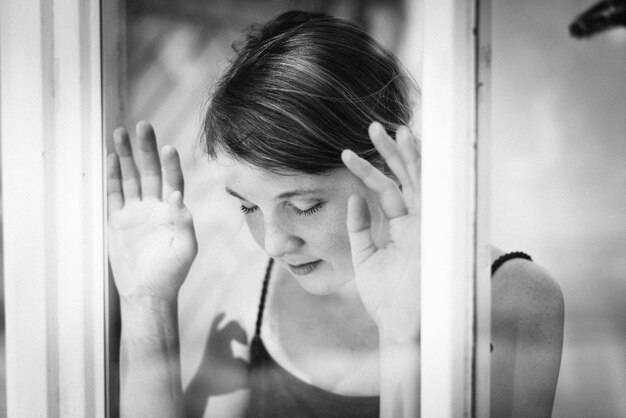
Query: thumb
[{"x": 359, "y": 230}]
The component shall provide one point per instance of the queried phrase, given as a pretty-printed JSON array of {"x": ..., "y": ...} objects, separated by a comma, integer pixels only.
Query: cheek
[
  {"x": 342, "y": 248},
  {"x": 338, "y": 251},
  {"x": 335, "y": 237}
]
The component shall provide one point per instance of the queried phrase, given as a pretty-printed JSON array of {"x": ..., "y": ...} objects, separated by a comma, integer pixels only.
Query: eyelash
[
  {"x": 299, "y": 212},
  {"x": 247, "y": 210},
  {"x": 307, "y": 212}
]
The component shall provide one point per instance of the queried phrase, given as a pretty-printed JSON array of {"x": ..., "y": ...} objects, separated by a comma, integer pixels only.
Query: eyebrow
[{"x": 285, "y": 195}]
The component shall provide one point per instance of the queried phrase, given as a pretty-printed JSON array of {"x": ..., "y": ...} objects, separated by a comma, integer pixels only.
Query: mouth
[{"x": 304, "y": 269}]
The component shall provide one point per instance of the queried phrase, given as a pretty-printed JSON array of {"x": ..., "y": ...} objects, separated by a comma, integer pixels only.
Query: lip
[{"x": 304, "y": 269}]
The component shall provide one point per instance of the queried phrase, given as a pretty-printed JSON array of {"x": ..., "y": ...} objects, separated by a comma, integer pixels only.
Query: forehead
[{"x": 249, "y": 180}]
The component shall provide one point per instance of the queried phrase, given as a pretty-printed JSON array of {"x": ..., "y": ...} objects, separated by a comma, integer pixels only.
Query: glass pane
[
  {"x": 175, "y": 53},
  {"x": 558, "y": 176}
]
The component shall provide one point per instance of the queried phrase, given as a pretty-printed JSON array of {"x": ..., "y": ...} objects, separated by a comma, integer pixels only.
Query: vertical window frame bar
[
  {"x": 455, "y": 283},
  {"x": 114, "y": 101},
  {"x": 53, "y": 204},
  {"x": 482, "y": 293}
]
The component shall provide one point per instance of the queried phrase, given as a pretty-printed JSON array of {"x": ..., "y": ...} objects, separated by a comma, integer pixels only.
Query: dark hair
[{"x": 302, "y": 88}]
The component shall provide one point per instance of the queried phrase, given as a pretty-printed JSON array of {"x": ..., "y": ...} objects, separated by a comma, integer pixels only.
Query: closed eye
[
  {"x": 246, "y": 210},
  {"x": 307, "y": 212},
  {"x": 300, "y": 212}
]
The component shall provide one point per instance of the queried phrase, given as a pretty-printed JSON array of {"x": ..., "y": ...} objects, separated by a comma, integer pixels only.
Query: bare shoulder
[
  {"x": 526, "y": 288},
  {"x": 527, "y": 338}
]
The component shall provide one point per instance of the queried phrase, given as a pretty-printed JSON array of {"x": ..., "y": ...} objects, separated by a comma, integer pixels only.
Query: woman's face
[{"x": 300, "y": 220}]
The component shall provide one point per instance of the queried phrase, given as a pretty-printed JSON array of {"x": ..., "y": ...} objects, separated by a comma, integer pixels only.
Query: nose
[{"x": 280, "y": 239}]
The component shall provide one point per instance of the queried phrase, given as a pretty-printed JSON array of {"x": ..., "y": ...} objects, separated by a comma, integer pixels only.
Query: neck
[
  {"x": 346, "y": 297},
  {"x": 343, "y": 303}
]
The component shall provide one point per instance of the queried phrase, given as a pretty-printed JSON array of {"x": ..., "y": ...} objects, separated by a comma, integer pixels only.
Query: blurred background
[
  {"x": 558, "y": 158},
  {"x": 559, "y": 183}
]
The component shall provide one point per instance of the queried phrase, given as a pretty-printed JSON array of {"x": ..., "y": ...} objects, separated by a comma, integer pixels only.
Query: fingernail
[
  {"x": 118, "y": 134},
  {"x": 374, "y": 129}
]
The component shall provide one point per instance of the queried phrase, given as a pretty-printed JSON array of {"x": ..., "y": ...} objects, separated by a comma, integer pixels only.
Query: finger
[
  {"x": 411, "y": 154},
  {"x": 172, "y": 172},
  {"x": 178, "y": 210},
  {"x": 130, "y": 176},
  {"x": 359, "y": 226},
  {"x": 115, "y": 197},
  {"x": 184, "y": 235},
  {"x": 149, "y": 163},
  {"x": 389, "y": 150},
  {"x": 410, "y": 150},
  {"x": 389, "y": 196}
]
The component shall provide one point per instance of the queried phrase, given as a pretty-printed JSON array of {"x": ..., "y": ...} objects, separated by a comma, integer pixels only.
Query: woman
[{"x": 302, "y": 126}]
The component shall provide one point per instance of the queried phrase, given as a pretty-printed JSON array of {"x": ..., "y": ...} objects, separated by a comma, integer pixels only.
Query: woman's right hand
[{"x": 151, "y": 236}]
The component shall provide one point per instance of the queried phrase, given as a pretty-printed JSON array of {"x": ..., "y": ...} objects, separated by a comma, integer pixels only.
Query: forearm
[
  {"x": 150, "y": 359},
  {"x": 400, "y": 374}
]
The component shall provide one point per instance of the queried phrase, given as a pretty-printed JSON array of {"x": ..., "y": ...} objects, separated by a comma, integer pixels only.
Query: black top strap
[
  {"x": 259, "y": 315},
  {"x": 506, "y": 257}
]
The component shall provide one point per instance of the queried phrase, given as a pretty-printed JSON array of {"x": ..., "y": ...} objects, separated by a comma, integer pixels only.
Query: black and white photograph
[{"x": 313, "y": 208}]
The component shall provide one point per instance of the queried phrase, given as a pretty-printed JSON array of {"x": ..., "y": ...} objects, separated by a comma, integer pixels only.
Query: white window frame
[
  {"x": 53, "y": 207},
  {"x": 455, "y": 280}
]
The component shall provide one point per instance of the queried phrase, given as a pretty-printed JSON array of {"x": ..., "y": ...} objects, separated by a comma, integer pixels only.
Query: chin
[
  {"x": 324, "y": 285},
  {"x": 316, "y": 289},
  {"x": 325, "y": 280}
]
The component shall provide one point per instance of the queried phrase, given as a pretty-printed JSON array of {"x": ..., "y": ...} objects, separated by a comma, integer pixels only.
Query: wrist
[
  {"x": 148, "y": 320},
  {"x": 148, "y": 302},
  {"x": 399, "y": 375}
]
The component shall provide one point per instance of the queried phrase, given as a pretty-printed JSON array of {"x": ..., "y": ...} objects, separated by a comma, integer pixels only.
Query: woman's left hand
[{"x": 388, "y": 277}]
